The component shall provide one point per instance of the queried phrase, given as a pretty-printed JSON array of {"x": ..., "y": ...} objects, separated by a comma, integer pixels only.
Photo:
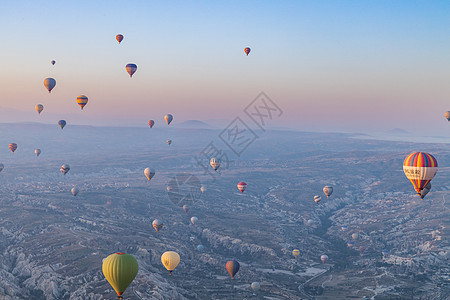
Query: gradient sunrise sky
[{"x": 350, "y": 66}]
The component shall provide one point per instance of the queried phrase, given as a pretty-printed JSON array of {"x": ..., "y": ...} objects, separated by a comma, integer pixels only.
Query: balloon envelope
[
  {"x": 120, "y": 269},
  {"x": 242, "y": 186},
  {"x": 296, "y": 253},
  {"x": 232, "y": 267},
  {"x": 82, "y": 100},
  {"x": 12, "y": 147},
  {"x": 49, "y": 84},
  {"x": 149, "y": 173},
  {"x": 157, "y": 224},
  {"x": 53, "y": 62},
  {"x": 168, "y": 118},
  {"x": 2, "y": 166},
  {"x": 169, "y": 142},
  {"x": 247, "y": 50},
  {"x": 420, "y": 168},
  {"x": 119, "y": 38},
  {"x": 328, "y": 190},
  {"x": 65, "y": 168},
  {"x": 75, "y": 191},
  {"x": 131, "y": 69},
  {"x": 317, "y": 199},
  {"x": 324, "y": 258},
  {"x": 37, "y": 152},
  {"x": 39, "y": 108},
  {"x": 256, "y": 286},
  {"x": 447, "y": 115},
  {"x": 194, "y": 220},
  {"x": 170, "y": 260},
  {"x": 215, "y": 163},
  {"x": 200, "y": 248},
  {"x": 151, "y": 123},
  {"x": 203, "y": 189},
  {"x": 185, "y": 208},
  {"x": 62, "y": 123}
]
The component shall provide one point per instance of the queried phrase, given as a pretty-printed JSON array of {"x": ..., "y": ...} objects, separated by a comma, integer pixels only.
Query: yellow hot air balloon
[
  {"x": 296, "y": 253},
  {"x": 82, "y": 100},
  {"x": 120, "y": 269},
  {"x": 170, "y": 260}
]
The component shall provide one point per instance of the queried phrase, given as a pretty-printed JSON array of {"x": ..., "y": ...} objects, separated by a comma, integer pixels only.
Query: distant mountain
[
  {"x": 398, "y": 131},
  {"x": 195, "y": 124}
]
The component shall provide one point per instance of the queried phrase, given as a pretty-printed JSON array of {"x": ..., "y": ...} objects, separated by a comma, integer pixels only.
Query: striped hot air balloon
[
  {"x": 82, "y": 100},
  {"x": 131, "y": 69},
  {"x": 157, "y": 224},
  {"x": 420, "y": 168},
  {"x": 119, "y": 38},
  {"x": 242, "y": 186},
  {"x": 13, "y": 147}
]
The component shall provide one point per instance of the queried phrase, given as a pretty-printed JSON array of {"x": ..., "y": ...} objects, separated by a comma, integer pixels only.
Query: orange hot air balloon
[
  {"x": 119, "y": 38},
  {"x": 12, "y": 147},
  {"x": 247, "y": 50},
  {"x": 420, "y": 168},
  {"x": 151, "y": 123},
  {"x": 232, "y": 267},
  {"x": 242, "y": 186},
  {"x": 82, "y": 100}
]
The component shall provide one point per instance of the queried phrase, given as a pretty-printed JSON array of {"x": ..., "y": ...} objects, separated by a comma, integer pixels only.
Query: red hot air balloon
[
  {"x": 242, "y": 186},
  {"x": 420, "y": 168}
]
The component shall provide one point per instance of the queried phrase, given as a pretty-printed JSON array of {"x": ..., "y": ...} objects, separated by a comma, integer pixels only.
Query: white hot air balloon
[
  {"x": 194, "y": 220},
  {"x": 149, "y": 173},
  {"x": 75, "y": 191}
]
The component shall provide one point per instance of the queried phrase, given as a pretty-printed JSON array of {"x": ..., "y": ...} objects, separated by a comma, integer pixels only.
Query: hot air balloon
[
  {"x": 232, "y": 267},
  {"x": 194, "y": 220},
  {"x": 296, "y": 253},
  {"x": 49, "y": 83},
  {"x": 355, "y": 236},
  {"x": 185, "y": 208},
  {"x": 75, "y": 191},
  {"x": 425, "y": 190},
  {"x": 350, "y": 243},
  {"x": 149, "y": 173},
  {"x": 344, "y": 228},
  {"x": 200, "y": 248},
  {"x": 120, "y": 269},
  {"x": 203, "y": 189},
  {"x": 119, "y": 38},
  {"x": 324, "y": 258},
  {"x": 131, "y": 69},
  {"x": 53, "y": 62},
  {"x": 37, "y": 152},
  {"x": 242, "y": 186},
  {"x": 2, "y": 166},
  {"x": 328, "y": 190},
  {"x": 151, "y": 123},
  {"x": 12, "y": 147},
  {"x": 447, "y": 115},
  {"x": 61, "y": 124},
  {"x": 82, "y": 100},
  {"x": 247, "y": 50},
  {"x": 317, "y": 199},
  {"x": 309, "y": 222},
  {"x": 168, "y": 118},
  {"x": 215, "y": 163},
  {"x": 384, "y": 252},
  {"x": 255, "y": 286},
  {"x": 169, "y": 188},
  {"x": 39, "y": 108},
  {"x": 157, "y": 224},
  {"x": 420, "y": 168},
  {"x": 65, "y": 168},
  {"x": 170, "y": 260},
  {"x": 169, "y": 142}
]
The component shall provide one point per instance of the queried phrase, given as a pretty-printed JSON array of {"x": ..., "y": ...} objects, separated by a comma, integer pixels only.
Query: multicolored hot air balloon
[
  {"x": 131, "y": 69},
  {"x": 65, "y": 168},
  {"x": 149, "y": 173},
  {"x": 425, "y": 190},
  {"x": 296, "y": 253},
  {"x": 328, "y": 190},
  {"x": 82, "y": 100},
  {"x": 324, "y": 258},
  {"x": 185, "y": 208},
  {"x": 194, "y": 220},
  {"x": 168, "y": 118},
  {"x": 355, "y": 236},
  {"x": 170, "y": 260},
  {"x": 39, "y": 108},
  {"x": 350, "y": 244},
  {"x": 242, "y": 186},
  {"x": 75, "y": 191},
  {"x": 12, "y": 147},
  {"x": 215, "y": 163},
  {"x": 53, "y": 62},
  {"x": 169, "y": 142},
  {"x": 37, "y": 152},
  {"x": 120, "y": 269},
  {"x": 317, "y": 198},
  {"x": 157, "y": 224},
  {"x": 247, "y": 50},
  {"x": 420, "y": 168},
  {"x": 49, "y": 84},
  {"x": 447, "y": 115},
  {"x": 151, "y": 123},
  {"x": 232, "y": 267},
  {"x": 119, "y": 38},
  {"x": 2, "y": 166},
  {"x": 62, "y": 123}
]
